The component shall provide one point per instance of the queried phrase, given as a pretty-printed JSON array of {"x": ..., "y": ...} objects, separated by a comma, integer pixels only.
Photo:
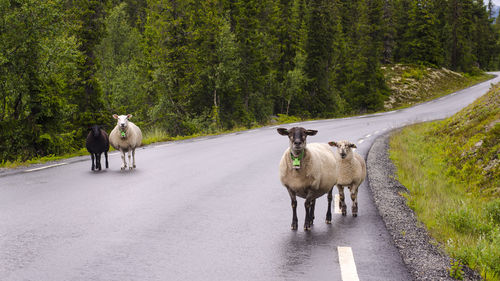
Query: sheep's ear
[
  {"x": 352, "y": 145},
  {"x": 311, "y": 132},
  {"x": 115, "y": 116},
  {"x": 283, "y": 131},
  {"x": 129, "y": 116},
  {"x": 332, "y": 143}
]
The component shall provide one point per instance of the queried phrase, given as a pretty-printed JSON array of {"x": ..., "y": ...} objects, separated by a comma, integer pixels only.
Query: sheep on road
[
  {"x": 351, "y": 172},
  {"x": 97, "y": 142},
  {"x": 125, "y": 137},
  {"x": 307, "y": 171}
]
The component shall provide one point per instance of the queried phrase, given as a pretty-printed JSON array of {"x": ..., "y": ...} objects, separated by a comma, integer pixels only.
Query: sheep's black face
[
  {"x": 96, "y": 131},
  {"x": 297, "y": 137}
]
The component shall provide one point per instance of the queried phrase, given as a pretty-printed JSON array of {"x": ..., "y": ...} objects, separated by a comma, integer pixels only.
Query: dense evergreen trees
[{"x": 203, "y": 65}]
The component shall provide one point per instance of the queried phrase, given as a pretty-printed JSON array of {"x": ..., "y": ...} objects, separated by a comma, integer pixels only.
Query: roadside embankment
[{"x": 420, "y": 252}]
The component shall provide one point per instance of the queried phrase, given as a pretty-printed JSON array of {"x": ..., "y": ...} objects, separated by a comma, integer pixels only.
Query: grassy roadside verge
[{"x": 452, "y": 170}]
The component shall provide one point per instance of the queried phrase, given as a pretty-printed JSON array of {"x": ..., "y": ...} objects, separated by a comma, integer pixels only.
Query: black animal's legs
[
  {"x": 329, "y": 211},
  {"x": 92, "y": 157}
]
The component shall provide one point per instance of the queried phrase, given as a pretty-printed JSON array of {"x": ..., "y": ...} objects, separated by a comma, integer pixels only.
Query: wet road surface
[{"x": 210, "y": 208}]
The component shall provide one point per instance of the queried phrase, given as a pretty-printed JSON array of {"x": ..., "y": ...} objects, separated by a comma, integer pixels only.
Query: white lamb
[
  {"x": 351, "y": 172},
  {"x": 125, "y": 137},
  {"x": 308, "y": 172}
]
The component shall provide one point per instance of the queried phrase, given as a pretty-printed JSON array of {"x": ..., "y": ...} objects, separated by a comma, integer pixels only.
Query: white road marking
[
  {"x": 367, "y": 136},
  {"x": 45, "y": 167},
  {"x": 361, "y": 141},
  {"x": 347, "y": 264},
  {"x": 376, "y": 132},
  {"x": 163, "y": 145},
  {"x": 442, "y": 98},
  {"x": 336, "y": 200}
]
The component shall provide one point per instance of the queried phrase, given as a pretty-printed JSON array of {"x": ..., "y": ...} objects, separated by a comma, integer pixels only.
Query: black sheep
[{"x": 97, "y": 143}]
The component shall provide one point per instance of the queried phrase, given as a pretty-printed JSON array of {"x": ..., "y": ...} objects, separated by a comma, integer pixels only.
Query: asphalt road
[{"x": 210, "y": 208}]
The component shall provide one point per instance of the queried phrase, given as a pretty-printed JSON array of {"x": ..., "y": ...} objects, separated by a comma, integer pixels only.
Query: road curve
[{"x": 210, "y": 208}]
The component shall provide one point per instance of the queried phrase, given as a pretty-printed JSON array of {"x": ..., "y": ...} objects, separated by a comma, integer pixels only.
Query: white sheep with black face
[
  {"x": 307, "y": 171},
  {"x": 125, "y": 137},
  {"x": 351, "y": 172}
]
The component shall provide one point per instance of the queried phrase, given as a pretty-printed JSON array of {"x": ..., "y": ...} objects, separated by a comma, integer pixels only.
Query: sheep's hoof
[
  {"x": 294, "y": 226},
  {"x": 134, "y": 166},
  {"x": 354, "y": 215},
  {"x": 328, "y": 221},
  {"x": 130, "y": 168},
  {"x": 307, "y": 228},
  {"x": 123, "y": 168}
]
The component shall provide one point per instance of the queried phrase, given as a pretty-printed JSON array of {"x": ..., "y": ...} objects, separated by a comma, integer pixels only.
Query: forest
[{"x": 192, "y": 66}]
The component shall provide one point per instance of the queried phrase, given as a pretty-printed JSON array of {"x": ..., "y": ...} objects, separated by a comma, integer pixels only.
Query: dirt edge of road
[{"x": 422, "y": 255}]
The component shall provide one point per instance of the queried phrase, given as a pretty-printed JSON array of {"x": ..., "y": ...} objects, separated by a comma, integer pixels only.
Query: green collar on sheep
[
  {"x": 123, "y": 134},
  {"x": 296, "y": 160}
]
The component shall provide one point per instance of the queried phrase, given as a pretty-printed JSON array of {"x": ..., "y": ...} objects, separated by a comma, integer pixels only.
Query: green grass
[
  {"x": 44, "y": 159},
  {"x": 451, "y": 169}
]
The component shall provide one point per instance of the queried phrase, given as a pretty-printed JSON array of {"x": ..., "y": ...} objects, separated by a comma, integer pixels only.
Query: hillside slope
[
  {"x": 452, "y": 171},
  {"x": 411, "y": 84}
]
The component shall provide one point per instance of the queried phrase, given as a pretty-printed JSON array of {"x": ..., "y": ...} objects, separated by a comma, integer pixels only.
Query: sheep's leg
[
  {"x": 124, "y": 163},
  {"x": 329, "y": 210},
  {"x": 106, "y": 156},
  {"x": 342, "y": 204},
  {"x": 98, "y": 161},
  {"x": 313, "y": 205},
  {"x": 308, "y": 204},
  {"x": 354, "y": 198},
  {"x": 92, "y": 157},
  {"x": 133, "y": 157},
  {"x": 307, "y": 221},
  {"x": 130, "y": 165},
  {"x": 294, "y": 210}
]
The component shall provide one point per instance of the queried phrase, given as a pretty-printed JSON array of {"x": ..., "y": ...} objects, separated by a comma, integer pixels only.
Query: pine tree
[
  {"x": 89, "y": 16},
  {"x": 170, "y": 58},
  {"x": 322, "y": 98},
  {"x": 422, "y": 37},
  {"x": 366, "y": 89},
  {"x": 119, "y": 74}
]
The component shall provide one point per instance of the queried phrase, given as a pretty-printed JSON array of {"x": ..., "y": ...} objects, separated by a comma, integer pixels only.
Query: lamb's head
[
  {"x": 344, "y": 148},
  {"x": 297, "y": 137},
  {"x": 95, "y": 130}
]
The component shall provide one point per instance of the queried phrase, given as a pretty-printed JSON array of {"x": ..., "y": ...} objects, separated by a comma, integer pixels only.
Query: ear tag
[{"x": 123, "y": 134}]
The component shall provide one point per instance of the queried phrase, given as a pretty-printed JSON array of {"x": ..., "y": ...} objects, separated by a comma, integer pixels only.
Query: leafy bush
[{"x": 283, "y": 118}]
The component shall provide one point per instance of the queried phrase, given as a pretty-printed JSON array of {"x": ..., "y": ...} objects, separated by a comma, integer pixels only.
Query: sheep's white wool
[
  {"x": 317, "y": 173},
  {"x": 125, "y": 139},
  {"x": 351, "y": 171}
]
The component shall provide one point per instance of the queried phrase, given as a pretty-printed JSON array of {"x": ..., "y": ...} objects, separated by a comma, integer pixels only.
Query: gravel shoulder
[{"x": 422, "y": 255}]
